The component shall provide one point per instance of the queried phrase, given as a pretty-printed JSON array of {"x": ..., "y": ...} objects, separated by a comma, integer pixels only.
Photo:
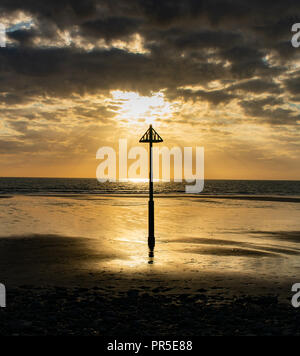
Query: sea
[{"x": 41, "y": 186}]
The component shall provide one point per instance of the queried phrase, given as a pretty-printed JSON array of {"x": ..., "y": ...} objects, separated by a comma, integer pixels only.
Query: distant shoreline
[
  {"x": 160, "y": 181},
  {"x": 94, "y": 196}
]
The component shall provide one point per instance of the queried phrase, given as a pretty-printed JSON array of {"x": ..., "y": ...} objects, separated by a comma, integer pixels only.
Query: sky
[{"x": 220, "y": 74}]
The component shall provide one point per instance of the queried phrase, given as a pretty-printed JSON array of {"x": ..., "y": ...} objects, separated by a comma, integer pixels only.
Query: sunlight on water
[
  {"x": 137, "y": 180},
  {"x": 192, "y": 235}
]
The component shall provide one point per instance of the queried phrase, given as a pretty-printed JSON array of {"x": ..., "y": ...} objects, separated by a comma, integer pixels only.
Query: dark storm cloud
[
  {"x": 225, "y": 96},
  {"x": 170, "y": 12},
  {"x": 293, "y": 84},
  {"x": 62, "y": 12},
  {"x": 257, "y": 86},
  {"x": 274, "y": 116},
  {"x": 277, "y": 29},
  {"x": 44, "y": 30},
  {"x": 189, "y": 42},
  {"x": 24, "y": 37},
  {"x": 65, "y": 71},
  {"x": 111, "y": 28},
  {"x": 268, "y": 18},
  {"x": 215, "y": 97}
]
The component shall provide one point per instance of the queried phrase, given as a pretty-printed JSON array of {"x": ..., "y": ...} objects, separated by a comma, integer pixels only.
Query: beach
[
  {"x": 149, "y": 168},
  {"x": 84, "y": 260}
]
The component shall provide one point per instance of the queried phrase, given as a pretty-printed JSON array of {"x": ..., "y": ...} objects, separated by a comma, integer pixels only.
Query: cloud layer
[{"x": 227, "y": 68}]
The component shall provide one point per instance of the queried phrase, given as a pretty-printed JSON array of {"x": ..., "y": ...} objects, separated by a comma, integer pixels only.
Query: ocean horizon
[{"x": 19, "y": 186}]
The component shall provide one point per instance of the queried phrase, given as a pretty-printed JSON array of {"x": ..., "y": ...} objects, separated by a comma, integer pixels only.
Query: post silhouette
[{"x": 151, "y": 136}]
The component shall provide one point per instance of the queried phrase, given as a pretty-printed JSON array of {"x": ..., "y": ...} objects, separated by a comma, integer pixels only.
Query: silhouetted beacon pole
[{"x": 151, "y": 136}]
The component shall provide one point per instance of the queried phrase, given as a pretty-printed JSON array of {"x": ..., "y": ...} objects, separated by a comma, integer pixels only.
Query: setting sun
[{"x": 135, "y": 108}]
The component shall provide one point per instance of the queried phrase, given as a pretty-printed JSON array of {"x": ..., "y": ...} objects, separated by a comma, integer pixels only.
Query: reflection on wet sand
[
  {"x": 151, "y": 245},
  {"x": 222, "y": 236},
  {"x": 58, "y": 261}
]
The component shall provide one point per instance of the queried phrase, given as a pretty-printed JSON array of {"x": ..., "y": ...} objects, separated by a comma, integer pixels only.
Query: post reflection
[{"x": 151, "y": 244}]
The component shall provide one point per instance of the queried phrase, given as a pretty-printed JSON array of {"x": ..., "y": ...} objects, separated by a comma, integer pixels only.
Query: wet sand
[
  {"x": 58, "y": 261},
  {"x": 92, "y": 275},
  {"x": 56, "y": 293}
]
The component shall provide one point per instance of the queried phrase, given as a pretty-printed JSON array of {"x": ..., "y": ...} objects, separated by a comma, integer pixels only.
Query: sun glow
[
  {"x": 137, "y": 180},
  {"x": 134, "y": 108}
]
